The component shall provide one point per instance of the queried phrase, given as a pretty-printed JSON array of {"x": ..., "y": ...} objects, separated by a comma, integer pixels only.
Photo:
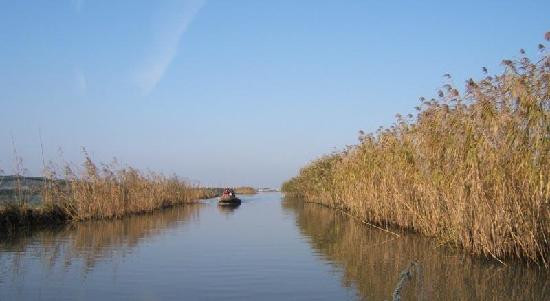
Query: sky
[{"x": 233, "y": 92}]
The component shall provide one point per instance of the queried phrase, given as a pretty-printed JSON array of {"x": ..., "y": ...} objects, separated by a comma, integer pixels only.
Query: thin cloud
[
  {"x": 78, "y": 4},
  {"x": 165, "y": 46}
]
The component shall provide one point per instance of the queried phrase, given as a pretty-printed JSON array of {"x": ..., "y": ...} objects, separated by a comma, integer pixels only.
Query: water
[{"x": 265, "y": 249}]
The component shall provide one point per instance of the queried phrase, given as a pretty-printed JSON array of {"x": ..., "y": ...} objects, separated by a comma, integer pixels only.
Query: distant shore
[{"x": 245, "y": 190}]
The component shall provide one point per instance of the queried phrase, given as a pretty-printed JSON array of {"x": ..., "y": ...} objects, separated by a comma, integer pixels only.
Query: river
[{"x": 265, "y": 249}]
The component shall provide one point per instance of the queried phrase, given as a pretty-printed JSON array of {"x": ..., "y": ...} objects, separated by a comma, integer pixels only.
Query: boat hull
[{"x": 229, "y": 201}]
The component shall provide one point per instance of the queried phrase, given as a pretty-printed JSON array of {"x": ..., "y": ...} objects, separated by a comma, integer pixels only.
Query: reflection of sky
[{"x": 234, "y": 92}]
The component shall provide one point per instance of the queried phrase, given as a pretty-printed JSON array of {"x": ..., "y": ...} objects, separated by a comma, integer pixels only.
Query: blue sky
[{"x": 234, "y": 92}]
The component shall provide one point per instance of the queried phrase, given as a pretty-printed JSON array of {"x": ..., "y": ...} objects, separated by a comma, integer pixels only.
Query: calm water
[{"x": 265, "y": 249}]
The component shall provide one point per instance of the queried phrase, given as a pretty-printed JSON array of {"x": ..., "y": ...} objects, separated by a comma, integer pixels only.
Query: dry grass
[
  {"x": 472, "y": 169},
  {"x": 98, "y": 193}
]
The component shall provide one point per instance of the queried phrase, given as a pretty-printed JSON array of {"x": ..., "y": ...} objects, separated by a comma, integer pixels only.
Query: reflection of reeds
[
  {"x": 372, "y": 261},
  {"x": 471, "y": 169},
  {"x": 90, "y": 241},
  {"x": 100, "y": 192}
]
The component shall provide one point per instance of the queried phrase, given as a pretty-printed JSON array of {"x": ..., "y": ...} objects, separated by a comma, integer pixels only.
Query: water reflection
[
  {"x": 273, "y": 254},
  {"x": 228, "y": 208},
  {"x": 87, "y": 243},
  {"x": 372, "y": 260}
]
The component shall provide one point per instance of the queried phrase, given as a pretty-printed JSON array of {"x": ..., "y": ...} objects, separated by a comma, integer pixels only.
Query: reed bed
[
  {"x": 471, "y": 169},
  {"x": 98, "y": 192},
  {"x": 245, "y": 190}
]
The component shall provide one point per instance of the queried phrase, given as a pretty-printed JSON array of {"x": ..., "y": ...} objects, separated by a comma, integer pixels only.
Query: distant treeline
[
  {"x": 95, "y": 192},
  {"x": 245, "y": 190},
  {"x": 472, "y": 168}
]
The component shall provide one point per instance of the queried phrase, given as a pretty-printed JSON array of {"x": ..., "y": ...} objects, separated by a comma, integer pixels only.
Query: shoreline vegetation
[
  {"x": 471, "y": 169},
  {"x": 97, "y": 192},
  {"x": 245, "y": 190}
]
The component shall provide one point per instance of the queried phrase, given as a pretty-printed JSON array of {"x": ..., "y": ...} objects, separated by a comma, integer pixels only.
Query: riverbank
[
  {"x": 471, "y": 169},
  {"x": 94, "y": 193}
]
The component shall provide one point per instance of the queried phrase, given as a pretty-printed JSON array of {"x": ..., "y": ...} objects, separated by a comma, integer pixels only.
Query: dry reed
[
  {"x": 98, "y": 192},
  {"x": 472, "y": 168}
]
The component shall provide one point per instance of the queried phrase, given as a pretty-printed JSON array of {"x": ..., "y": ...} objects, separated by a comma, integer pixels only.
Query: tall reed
[
  {"x": 472, "y": 168},
  {"x": 97, "y": 192}
]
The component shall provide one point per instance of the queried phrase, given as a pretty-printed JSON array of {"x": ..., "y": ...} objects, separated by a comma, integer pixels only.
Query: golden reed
[
  {"x": 472, "y": 168},
  {"x": 97, "y": 193}
]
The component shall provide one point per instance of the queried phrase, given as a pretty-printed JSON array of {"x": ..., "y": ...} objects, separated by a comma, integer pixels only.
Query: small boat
[
  {"x": 229, "y": 202},
  {"x": 228, "y": 198}
]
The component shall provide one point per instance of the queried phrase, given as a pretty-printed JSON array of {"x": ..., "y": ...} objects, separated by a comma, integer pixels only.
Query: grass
[
  {"x": 472, "y": 169},
  {"x": 98, "y": 192}
]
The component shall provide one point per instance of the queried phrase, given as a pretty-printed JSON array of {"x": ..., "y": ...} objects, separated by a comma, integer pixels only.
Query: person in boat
[{"x": 229, "y": 192}]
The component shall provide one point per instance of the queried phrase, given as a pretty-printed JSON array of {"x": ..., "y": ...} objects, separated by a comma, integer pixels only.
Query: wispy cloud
[
  {"x": 168, "y": 31},
  {"x": 78, "y": 4}
]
